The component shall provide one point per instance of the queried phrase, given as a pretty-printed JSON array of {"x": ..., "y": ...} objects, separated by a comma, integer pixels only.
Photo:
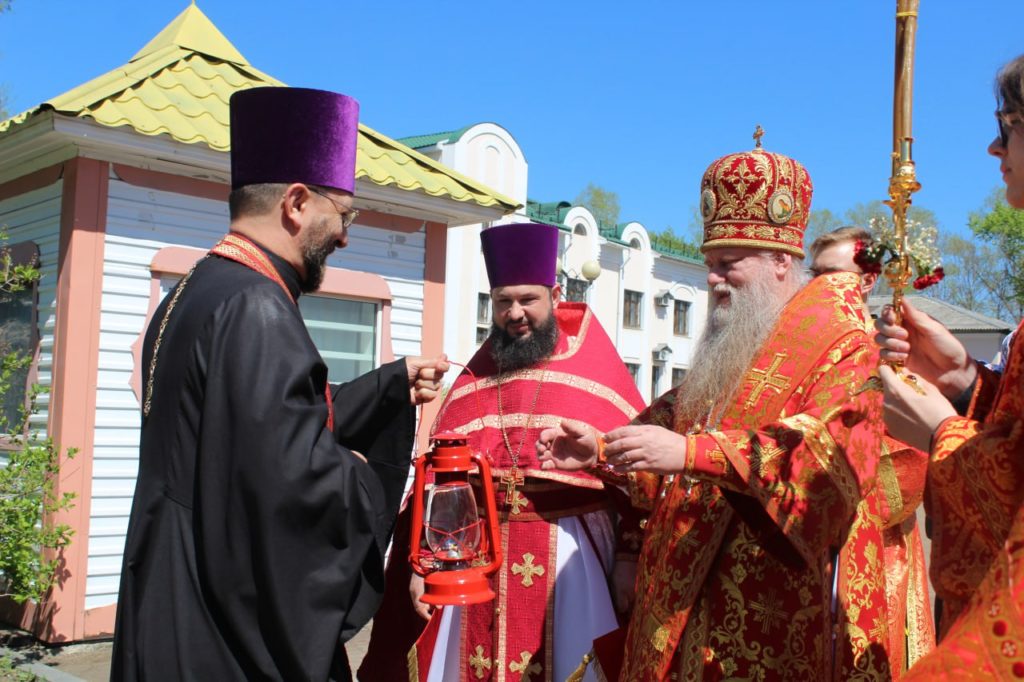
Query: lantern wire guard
[{"x": 465, "y": 546}]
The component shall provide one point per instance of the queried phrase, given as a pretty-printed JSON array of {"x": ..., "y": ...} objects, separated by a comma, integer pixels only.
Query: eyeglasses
[
  {"x": 1007, "y": 122},
  {"x": 348, "y": 215}
]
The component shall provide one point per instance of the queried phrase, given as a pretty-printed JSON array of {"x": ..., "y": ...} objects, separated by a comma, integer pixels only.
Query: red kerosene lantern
[{"x": 464, "y": 549}]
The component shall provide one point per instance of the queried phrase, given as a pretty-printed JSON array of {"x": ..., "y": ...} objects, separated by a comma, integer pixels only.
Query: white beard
[{"x": 733, "y": 336}]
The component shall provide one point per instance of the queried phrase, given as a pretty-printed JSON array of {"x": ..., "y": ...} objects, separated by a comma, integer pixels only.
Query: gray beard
[{"x": 730, "y": 341}]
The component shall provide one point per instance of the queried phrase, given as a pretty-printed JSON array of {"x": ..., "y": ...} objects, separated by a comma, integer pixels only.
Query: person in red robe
[
  {"x": 759, "y": 468},
  {"x": 971, "y": 420},
  {"x": 545, "y": 361},
  {"x": 901, "y": 476}
]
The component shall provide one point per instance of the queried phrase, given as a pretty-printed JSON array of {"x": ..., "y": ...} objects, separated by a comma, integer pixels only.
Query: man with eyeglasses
[
  {"x": 265, "y": 496},
  {"x": 971, "y": 421}
]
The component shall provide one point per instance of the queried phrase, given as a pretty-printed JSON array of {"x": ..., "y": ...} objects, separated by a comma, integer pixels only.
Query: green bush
[{"x": 29, "y": 466}]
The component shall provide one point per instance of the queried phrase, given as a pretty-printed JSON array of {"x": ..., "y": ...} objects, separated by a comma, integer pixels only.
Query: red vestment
[
  {"x": 974, "y": 494},
  {"x": 735, "y": 577},
  {"x": 583, "y": 381},
  {"x": 901, "y": 477}
]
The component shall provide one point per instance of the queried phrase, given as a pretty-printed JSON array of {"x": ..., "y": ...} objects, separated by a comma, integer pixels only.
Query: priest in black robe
[{"x": 266, "y": 496}]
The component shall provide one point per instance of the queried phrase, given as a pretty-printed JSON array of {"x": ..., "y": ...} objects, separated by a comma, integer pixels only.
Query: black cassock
[{"x": 256, "y": 541}]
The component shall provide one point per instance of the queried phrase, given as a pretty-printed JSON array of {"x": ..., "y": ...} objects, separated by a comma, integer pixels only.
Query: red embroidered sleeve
[
  {"x": 975, "y": 484},
  {"x": 806, "y": 472},
  {"x": 985, "y": 391}
]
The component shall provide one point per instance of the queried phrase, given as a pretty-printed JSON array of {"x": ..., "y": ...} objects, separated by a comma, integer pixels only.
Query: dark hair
[
  {"x": 254, "y": 199},
  {"x": 848, "y": 233},
  {"x": 1010, "y": 87}
]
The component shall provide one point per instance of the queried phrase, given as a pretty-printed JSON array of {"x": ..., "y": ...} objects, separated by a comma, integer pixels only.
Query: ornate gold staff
[{"x": 903, "y": 182}]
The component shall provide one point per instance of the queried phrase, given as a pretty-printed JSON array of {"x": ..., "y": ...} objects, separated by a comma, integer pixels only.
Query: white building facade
[{"x": 652, "y": 303}]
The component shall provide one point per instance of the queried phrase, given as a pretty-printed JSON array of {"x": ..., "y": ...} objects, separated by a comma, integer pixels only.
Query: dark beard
[
  {"x": 315, "y": 251},
  {"x": 511, "y": 353}
]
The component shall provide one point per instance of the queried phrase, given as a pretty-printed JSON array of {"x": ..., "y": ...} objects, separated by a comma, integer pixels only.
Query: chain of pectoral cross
[{"x": 515, "y": 477}]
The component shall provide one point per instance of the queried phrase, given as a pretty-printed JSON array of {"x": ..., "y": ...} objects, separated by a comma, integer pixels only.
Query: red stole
[{"x": 510, "y": 638}]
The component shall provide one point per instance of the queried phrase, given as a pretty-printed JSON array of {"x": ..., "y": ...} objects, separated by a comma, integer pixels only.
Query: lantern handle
[
  {"x": 492, "y": 534},
  {"x": 416, "y": 531}
]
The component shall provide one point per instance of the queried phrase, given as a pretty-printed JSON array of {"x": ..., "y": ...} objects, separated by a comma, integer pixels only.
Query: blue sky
[{"x": 636, "y": 97}]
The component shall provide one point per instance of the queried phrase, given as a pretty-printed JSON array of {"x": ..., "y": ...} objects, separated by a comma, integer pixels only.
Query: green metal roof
[
  {"x": 420, "y": 141},
  {"x": 554, "y": 212}
]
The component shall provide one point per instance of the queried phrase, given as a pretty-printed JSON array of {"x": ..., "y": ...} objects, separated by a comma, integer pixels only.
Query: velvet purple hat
[
  {"x": 522, "y": 253},
  {"x": 293, "y": 135}
]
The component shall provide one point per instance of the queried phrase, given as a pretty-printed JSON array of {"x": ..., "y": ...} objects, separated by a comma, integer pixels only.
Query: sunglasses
[
  {"x": 348, "y": 216},
  {"x": 1007, "y": 122}
]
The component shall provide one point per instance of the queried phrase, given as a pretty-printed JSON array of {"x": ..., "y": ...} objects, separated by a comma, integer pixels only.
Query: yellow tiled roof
[{"x": 180, "y": 83}]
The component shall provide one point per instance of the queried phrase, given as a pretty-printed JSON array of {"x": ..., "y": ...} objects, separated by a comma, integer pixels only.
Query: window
[
  {"x": 631, "y": 309},
  {"x": 678, "y": 374},
  {"x": 681, "y": 321},
  {"x": 345, "y": 333},
  {"x": 580, "y": 229},
  {"x": 483, "y": 317},
  {"x": 347, "y": 319},
  {"x": 576, "y": 289},
  {"x": 634, "y": 371},
  {"x": 18, "y": 334},
  {"x": 656, "y": 371}
]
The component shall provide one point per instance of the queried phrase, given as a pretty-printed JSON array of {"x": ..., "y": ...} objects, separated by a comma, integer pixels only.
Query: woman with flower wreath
[{"x": 971, "y": 419}]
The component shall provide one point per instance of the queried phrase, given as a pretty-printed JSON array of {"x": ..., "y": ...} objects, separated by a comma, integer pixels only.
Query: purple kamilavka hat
[
  {"x": 293, "y": 135},
  {"x": 522, "y": 253}
]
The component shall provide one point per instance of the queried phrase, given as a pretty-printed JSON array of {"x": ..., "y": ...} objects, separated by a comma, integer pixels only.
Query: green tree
[
  {"x": 863, "y": 213},
  {"x": 603, "y": 203},
  {"x": 29, "y": 539},
  {"x": 820, "y": 222},
  {"x": 1001, "y": 227},
  {"x": 973, "y": 277},
  {"x": 668, "y": 240}
]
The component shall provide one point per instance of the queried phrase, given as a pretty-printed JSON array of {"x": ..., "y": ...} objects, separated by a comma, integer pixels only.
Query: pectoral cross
[
  {"x": 517, "y": 502},
  {"x": 512, "y": 480}
]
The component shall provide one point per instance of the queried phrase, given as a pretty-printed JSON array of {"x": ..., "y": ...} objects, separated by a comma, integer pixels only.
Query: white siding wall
[
  {"x": 140, "y": 222},
  {"x": 35, "y": 216}
]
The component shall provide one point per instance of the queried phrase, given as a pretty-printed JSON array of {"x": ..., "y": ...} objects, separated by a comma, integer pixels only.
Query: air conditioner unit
[{"x": 663, "y": 299}]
